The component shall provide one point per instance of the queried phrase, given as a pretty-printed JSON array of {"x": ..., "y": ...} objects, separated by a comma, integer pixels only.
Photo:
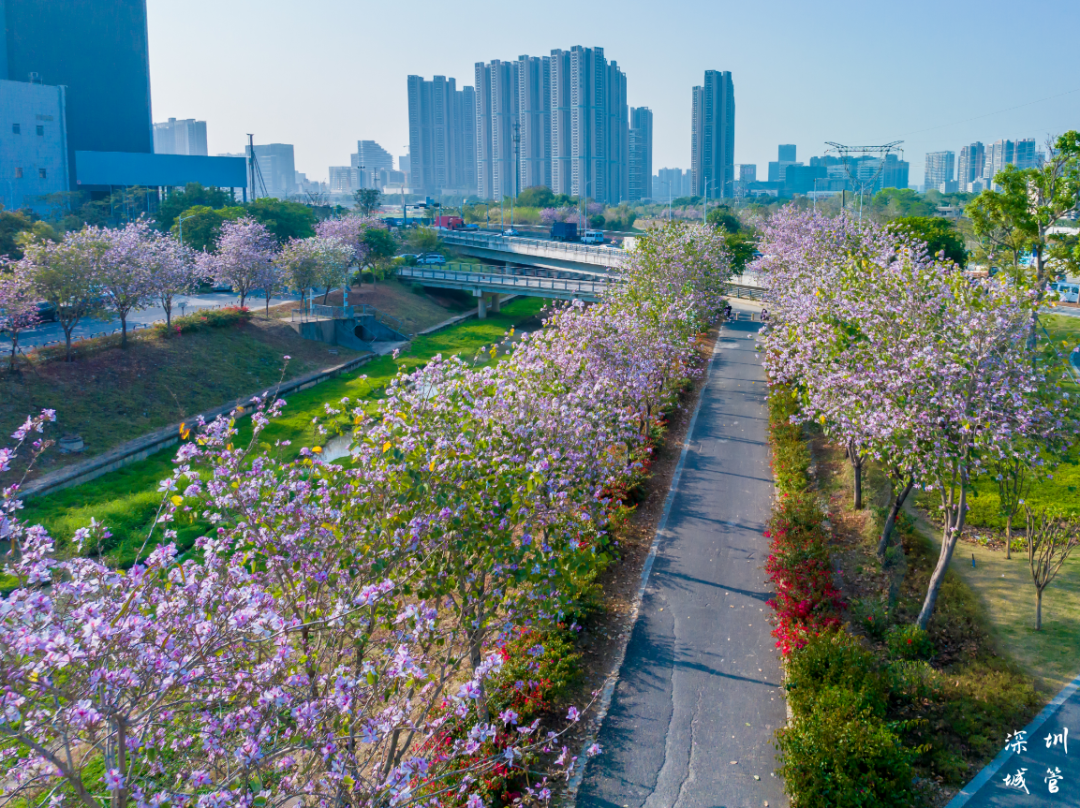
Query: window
[
  {"x": 16, "y": 129},
  {"x": 40, "y": 129},
  {"x": 41, "y": 173},
  {"x": 18, "y": 173}
]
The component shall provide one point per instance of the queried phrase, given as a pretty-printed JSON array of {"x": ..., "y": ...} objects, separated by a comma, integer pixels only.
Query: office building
[
  {"x": 533, "y": 75},
  {"x": 440, "y": 135},
  {"x": 938, "y": 174},
  {"x": 747, "y": 172},
  {"x": 186, "y": 136},
  {"x": 33, "y": 144},
  {"x": 277, "y": 168},
  {"x": 369, "y": 159},
  {"x": 970, "y": 166},
  {"x": 786, "y": 153},
  {"x": 641, "y": 145},
  {"x": 671, "y": 183},
  {"x": 98, "y": 51},
  {"x": 800, "y": 179},
  {"x": 1025, "y": 154},
  {"x": 712, "y": 145},
  {"x": 785, "y": 158},
  {"x": 343, "y": 179}
]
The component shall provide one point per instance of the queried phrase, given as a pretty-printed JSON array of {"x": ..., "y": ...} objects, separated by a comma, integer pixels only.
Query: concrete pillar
[
  {"x": 481, "y": 308},
  {"x": 496, "y": 302}
]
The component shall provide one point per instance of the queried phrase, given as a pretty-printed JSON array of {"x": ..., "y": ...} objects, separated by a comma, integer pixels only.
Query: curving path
[{"x": 699, "y": 695}]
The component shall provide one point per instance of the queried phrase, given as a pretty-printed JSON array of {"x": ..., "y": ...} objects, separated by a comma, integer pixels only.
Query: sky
[{"x": 322, "y": 74}]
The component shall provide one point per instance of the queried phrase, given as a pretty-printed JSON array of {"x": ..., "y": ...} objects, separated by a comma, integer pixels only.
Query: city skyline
[{"x": 779, "y": 102}]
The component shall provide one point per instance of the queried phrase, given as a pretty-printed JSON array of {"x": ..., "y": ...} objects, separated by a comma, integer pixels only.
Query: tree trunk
[
  {"x": 243, "y": 297},
  {"x": 1008, "y": 537},
  {"x": 123, "y": 330},
  {"x": 1038, "y": 609},
  {"x": 14, "y": 348},
  {"x": 856, "y": 467},
  {"x": 67, "y": 345},
  {"x": 167, "y": 305},
  {"x": 890, "y": 523},
  {"x": 954, "y": 524}
]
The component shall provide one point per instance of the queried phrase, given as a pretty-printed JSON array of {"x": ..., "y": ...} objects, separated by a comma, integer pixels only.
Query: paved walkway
[
  {"x": 1051, "y": 746},
  {"x": 692, "y": 719}
]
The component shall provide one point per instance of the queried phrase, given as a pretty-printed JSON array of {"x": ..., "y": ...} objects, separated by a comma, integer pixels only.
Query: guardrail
[
  {"x": 532, "y": 246},
  {"x": 509, "y": 281}
]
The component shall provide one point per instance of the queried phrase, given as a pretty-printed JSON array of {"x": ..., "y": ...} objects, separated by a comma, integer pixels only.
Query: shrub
[
  {"x": 834, "y": 659},
  {"x": 872, "y": 615},
  {"x": 909, "y": 642},
  {"x": 207, "y": 318},
  {"x": 912, "y": 680},
  {"x": 842, "y": 755},
  {"x": 790, "y": 455}
]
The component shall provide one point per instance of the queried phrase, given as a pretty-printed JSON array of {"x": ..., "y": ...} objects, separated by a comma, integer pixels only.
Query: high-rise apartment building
[
  {"x": 186, "y": 136},
  {"x": 439, "y": 125},
  {"x": 497, "y": 129},
  {"x": 938, "y": 175},
  {"x": 561, "y": 123},
  {"x": 785, "y": 157},
  {"x": 533, "y": 143},
  {"x": 970, "y": 165},
  {"x": 671, "y": 183},
  {"x": 786, "y": 153},
  {"x": 712, "y": 145},
  {"x": 99, "y": 52},
  {"x": 278, "y": 169},
  {"x": 747, "y": 172},
  {"x": 641, "y": 143},
  {"x": 343, "y": 179}
]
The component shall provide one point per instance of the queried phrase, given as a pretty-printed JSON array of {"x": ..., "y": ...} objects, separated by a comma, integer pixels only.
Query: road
[
  {"x": 90, "y": 327},
  {"x": 699, "y": 694},
  {"x": 1045, "y": 751}
]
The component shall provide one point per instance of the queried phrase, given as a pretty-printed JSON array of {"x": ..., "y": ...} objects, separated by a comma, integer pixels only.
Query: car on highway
[
  {"x": 431, "y": 258},
  {"x": 472, "y": 226},
  {"x": 511, "y": 232},
  {"x": 592, "y": 237}
]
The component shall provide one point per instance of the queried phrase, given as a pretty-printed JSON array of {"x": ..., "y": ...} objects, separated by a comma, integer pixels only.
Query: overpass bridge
[
  {"x": 536, "y": 252},
  {"x": 496, "y": 281}
]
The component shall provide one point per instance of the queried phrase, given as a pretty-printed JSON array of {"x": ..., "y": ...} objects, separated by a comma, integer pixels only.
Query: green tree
[
  {"x": 201, "y": 225},
  {"x": 367, "y": 200},
  {"x": 723, "y": 217},
  {"x": 284, "y": 219},
  {"x": 12, "y": 224},
  {"x": 422, "y": 240},
  {"x": 937, "y": 233},
  {"x": 1020, "y": 215},
  {"x": 193, "y": 195},
  {"x": 539, "y": 196}
]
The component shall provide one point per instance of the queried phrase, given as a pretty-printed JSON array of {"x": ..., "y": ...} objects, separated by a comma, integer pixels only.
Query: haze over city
[{"x": 930, "y": 74}]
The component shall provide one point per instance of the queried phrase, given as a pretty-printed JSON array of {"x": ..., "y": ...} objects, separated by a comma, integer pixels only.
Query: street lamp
[{"x": 180, "y": 221}]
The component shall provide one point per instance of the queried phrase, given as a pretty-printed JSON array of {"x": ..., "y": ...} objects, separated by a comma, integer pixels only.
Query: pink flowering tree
[
  {"x": 244, "y": 249},
  {"x": 125, "y": 275},
  {"x": 172, "y": 269},
  {"x": 18, "y": 304},
  {"x": 68, "y": 274}
]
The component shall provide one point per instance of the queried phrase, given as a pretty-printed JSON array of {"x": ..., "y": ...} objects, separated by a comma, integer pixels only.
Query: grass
[
  {"x": 127, "y": 500},
  {"x": 976, "y": 688}
]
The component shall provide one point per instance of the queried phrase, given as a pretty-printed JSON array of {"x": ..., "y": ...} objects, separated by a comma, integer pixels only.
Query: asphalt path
[
  {"x": 699, "y": 694},
  {"x": 1039, "y": 766},
  {"x": 92, "y": 327}
]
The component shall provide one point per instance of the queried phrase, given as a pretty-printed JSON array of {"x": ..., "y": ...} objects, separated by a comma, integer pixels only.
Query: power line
[{"x": 997, "y": 112}]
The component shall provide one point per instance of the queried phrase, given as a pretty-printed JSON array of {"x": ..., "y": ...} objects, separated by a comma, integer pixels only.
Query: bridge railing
[
  {"x": 506, "y": 280},
  {"x": 525, "y": 246}
]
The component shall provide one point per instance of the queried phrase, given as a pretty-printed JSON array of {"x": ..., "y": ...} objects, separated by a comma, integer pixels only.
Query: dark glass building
[{"x": 99, "y": 50}]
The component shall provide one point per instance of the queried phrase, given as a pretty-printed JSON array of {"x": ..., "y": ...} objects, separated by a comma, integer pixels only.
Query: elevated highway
[
  {"x": 535, "y": 252},
  {"x": 495, "y": 281}
]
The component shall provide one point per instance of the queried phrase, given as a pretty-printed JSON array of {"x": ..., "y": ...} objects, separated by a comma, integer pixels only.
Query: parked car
[
  {"x": 46, "y": 311},
  {"x": 1067, "y": 292},
  {"x": 472, "y": 226},
  {"x": 510, "y": 232},
  {"x": 431, "y": 258}
]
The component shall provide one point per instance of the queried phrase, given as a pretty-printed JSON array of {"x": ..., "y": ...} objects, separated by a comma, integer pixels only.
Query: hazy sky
[{"x": 322, "y": 74}]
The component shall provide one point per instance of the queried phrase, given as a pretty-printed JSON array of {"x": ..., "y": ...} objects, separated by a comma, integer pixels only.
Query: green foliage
[
  {"x": 723, "y": 217},
  {"x": 193, "y": 195},
  {"x": 597, "y": 221},
  {"x": 539, "y": 196},
  {"x": 284, "y": 219},
  {"x": 872, "y": 616},
  {"x": 367, "y": 200},
  {"x": 209, "y": 318},
  {"x": 834, "y": 659},
  {"x": 201, "y": 225},
  {"x": 538, "y": 671},
  {"x": 909, "y": 642},
  {"x": 842, "y": 755},
  {"x": 380, "y": 243},
  {"x": 422, "y": 240},
  {"x": 791, "y": 455},
  {"x": 937, "y": 233}
]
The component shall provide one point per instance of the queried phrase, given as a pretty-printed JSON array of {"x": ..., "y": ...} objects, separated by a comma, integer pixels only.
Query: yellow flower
[
  {"x": 177, "y": 500},
  {"x": 386, "y": 447},
  {"x": 317, "y": 449}
]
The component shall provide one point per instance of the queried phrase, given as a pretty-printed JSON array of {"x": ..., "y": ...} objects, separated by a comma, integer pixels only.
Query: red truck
[{"x": 450, "y": 222}]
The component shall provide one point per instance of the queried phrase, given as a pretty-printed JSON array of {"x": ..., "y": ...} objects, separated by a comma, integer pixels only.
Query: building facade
[
  {"x": 969, "y": 168},
  {"x": 938, "y": 174},
  {"x": 343, "y": 179},
  {"x": 670, "y": 183},
  {"x": 440, "y": 116},
  {"x": 534, "y": 121},
  {"x": 99, "y": 51},
  {"x": 277, "y": 165},
  {"x": 641, "y": 146},
  {"x": 33, "y": 144},
  {"x": 186, "y": 136},
  {"x": 369, "y": 159},
  {"x": 712, "y": 145}
]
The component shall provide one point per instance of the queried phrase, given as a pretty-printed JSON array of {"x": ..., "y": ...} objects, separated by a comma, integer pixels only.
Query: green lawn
[{"x": 127, "y": 500}]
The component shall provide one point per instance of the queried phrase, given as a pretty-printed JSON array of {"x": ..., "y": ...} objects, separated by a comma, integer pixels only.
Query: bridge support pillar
[
  {"x": 481, "y": 308},
  {"x": 496, "y": 302}
]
